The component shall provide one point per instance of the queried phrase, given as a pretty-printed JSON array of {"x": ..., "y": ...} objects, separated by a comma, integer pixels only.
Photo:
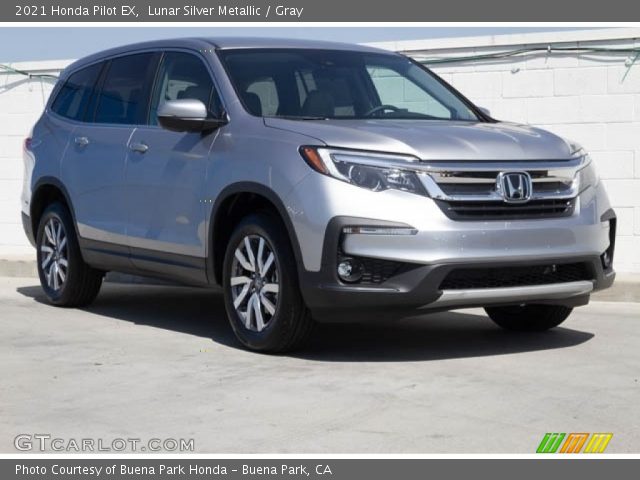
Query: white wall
[
  {"x": 583, "y": 97},
  {"x": 593, "y": 99},
  {"x": 21, "y": 102}
]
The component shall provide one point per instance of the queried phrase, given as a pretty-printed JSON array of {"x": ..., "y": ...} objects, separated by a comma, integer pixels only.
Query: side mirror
[
  {"x": 486, "y": 111},
  {"x": 187, "y": 115}
]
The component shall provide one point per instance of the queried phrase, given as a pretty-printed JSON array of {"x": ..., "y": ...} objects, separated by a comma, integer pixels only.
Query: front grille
[
  {"x": 488, "y": 189},
  {"x": 477, "y": 190},
  {"x": 498, "y": 277},
  {"x": 496, "y": 210}
]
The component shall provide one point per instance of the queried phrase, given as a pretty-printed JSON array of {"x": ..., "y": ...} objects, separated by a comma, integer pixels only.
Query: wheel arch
[
  {"x": 46, "y": 191},
  {"x": 233, "y": 203}
]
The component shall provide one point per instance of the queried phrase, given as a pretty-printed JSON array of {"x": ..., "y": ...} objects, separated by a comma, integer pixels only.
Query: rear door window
[
  {"x": 74, "y": 96},
  {"x": 123, "y": 98}
]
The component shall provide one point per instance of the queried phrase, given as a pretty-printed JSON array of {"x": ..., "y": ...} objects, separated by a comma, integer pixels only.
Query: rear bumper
[{"x": 28, "y": 229}]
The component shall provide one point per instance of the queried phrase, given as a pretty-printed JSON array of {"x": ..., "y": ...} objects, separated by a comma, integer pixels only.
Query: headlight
[
  {"x": 373, "y": 171},
  {"x": 587, "y": 175}
]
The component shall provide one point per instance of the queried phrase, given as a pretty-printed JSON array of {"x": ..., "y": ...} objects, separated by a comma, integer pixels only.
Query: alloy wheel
[
  {"x": 254, "y": 282},
  {"x": 54, "y": 258}
]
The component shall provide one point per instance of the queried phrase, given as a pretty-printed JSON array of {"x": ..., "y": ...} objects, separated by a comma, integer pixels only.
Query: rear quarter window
[{"x": 74, "y": 95}]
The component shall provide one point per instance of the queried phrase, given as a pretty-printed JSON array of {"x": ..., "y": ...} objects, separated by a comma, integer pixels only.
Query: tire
[
  {"x": 529, "y": 318},
  {"x": 66, "y": 279},
  {"x": 253, "y": 283}
]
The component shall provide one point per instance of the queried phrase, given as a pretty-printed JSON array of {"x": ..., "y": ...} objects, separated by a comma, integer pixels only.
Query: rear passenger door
[
  {"x": 94, "y": 165},
  {"x": 166, "y": 174}
]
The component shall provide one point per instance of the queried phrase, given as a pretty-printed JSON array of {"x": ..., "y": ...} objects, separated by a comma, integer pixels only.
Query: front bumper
[
  {"x": 418, "y": 291},
  {"x": 439, "y": 247}
]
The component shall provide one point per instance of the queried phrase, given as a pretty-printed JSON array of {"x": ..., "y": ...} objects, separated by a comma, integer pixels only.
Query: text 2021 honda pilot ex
[{"x": 313, "y": 181}]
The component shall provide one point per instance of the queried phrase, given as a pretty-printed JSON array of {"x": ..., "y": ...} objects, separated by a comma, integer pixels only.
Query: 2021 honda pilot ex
[{"x": 311, "y": 180}]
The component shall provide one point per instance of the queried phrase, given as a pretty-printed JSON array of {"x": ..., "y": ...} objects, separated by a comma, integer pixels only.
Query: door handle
[
  {"x": 139, "y": 147},
  {"x": 81, "y": 141}
]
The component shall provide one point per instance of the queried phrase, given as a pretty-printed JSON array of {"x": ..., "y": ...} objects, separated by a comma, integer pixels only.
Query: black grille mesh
[
  {"x": 492, "y": 210},
  {"x": 376, "y": 271},
  {"x": 497, "y": 277}
]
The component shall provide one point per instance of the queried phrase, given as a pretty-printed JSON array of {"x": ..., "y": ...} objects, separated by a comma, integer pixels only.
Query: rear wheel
[
  {"x": 529, "y": 318},
  {"x": 66, "y": 279},
  {"x": 262, "y": 296}
]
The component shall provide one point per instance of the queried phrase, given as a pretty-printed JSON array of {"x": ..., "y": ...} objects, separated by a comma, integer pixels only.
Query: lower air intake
[{"x": 472, "y": 278}]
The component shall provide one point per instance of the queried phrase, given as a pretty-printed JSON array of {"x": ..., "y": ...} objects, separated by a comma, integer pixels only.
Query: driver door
[{"x": 165, "y": 176}]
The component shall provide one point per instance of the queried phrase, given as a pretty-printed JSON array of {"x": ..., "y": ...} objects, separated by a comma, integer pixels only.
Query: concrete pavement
[{"x": 160, "y": 361}]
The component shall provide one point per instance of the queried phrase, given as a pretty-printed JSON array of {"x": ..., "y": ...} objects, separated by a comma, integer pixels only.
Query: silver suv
[{"x": 313, "y": 181}]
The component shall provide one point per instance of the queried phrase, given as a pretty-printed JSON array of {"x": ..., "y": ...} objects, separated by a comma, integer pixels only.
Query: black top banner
[{"x": 318, "y": 11}]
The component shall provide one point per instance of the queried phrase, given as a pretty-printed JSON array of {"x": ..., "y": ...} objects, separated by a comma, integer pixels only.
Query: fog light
[
  {"x": 350, "y": 270},
  {"x": 606, "y": 260}
]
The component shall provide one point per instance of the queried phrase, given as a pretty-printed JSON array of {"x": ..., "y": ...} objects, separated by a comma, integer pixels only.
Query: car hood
[{"x": 434, "y": 140}]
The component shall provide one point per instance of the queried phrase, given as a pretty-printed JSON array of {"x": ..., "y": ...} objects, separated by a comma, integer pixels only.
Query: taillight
[{"x": 27, "y": 143}]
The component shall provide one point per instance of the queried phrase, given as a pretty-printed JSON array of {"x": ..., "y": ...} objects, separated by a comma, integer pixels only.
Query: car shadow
[{"x": 438, "y": 336}]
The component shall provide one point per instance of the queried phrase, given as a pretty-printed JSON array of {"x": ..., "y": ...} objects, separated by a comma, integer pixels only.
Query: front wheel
[
  {"x": 529, "y": 318},
  {"x": 261, "y": 292}
]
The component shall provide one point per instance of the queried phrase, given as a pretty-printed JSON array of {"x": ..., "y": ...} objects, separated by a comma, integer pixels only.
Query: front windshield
[{"x": 320, "y": 84}]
